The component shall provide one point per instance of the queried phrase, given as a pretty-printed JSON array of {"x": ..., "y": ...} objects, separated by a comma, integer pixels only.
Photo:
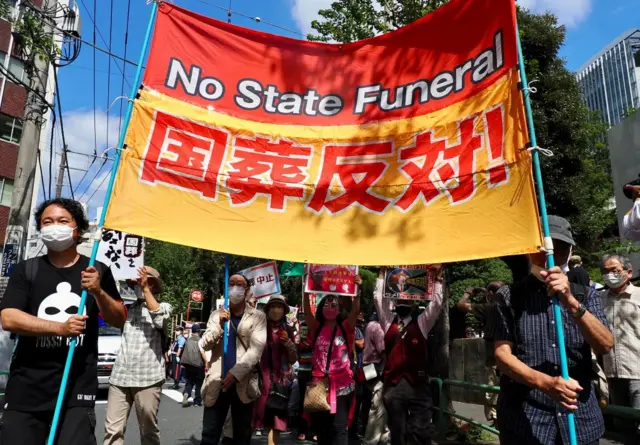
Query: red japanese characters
[{"x": 374, "y": 176}]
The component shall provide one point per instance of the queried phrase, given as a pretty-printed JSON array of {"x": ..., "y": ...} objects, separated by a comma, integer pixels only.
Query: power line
[
  {"x": 64, "y": 139},
  {"x": 44, "y": 190},
  {"x": 255, "y": 19},
  {"x": 95, "y": 126},
  {"x": 93, "y": 179},
  {"x": 109, "y": 68},
  {"x": 126, "y": 44},
  {"x": 95, "y": 26},
  {"x": 85, "y": 42},
  {"x": 51, "y": 152},
  {"x": 98, "y": 188}
]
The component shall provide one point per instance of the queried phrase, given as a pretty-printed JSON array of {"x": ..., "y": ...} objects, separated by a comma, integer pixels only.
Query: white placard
[
  {"x": 264, "y": 279},
  {"x": 122, "y": 253}
]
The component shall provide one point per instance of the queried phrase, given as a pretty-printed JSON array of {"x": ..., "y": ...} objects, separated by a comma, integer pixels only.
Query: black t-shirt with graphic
[{"x": 38, "y": 362}]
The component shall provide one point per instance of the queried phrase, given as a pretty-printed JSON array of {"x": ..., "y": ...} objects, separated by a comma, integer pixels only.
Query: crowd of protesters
[{"x": 332, "y": 374}]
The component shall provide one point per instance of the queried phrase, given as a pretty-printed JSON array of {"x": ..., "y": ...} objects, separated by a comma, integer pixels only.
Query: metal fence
[{"x": 443, "y": 404}]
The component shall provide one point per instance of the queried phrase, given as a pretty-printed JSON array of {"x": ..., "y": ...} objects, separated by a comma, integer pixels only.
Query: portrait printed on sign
[
  {"x": 411, "y": 282},
  {"x": 338, "y": 280},
  {"x": 122, "y": 252}
]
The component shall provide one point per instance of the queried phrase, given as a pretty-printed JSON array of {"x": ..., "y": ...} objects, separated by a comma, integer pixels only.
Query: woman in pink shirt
[{"x": 329, "y": 333}]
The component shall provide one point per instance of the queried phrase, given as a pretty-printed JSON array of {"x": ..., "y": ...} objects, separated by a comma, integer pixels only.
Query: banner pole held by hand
[
  {"x": 83, "y": 299},
  {"x": 564, "y": 368},
  {"x": 225, "y": 335}
]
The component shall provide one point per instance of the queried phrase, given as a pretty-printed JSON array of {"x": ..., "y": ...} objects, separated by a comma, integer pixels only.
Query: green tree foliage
[{"x": 185, "y": 268}]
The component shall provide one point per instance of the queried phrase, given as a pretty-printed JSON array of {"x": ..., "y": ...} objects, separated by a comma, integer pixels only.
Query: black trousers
[
  {"x": 367, "y": 395},
  {"x": 409, "y": 409},
  {"x": 214, "y": 418},
  {"x": 77, "y": 427},
  {"x": 303, "y": 426},
  {"x": 195, "y": 377},
  {"x": 332, "y": 428}
]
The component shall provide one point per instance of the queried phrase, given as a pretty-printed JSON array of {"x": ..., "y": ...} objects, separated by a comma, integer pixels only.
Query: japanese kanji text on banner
[{"x": 408, "y": 148}]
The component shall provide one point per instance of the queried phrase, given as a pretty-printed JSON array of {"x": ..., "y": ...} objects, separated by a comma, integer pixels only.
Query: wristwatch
[{"x": 580, "y": 312}]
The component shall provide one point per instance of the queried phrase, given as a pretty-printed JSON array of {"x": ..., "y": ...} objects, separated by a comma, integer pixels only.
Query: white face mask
[
  {"x": 613, "y": 280},
  {"x": 236, "y": 294},
  {"x": 57, "y": 237}
]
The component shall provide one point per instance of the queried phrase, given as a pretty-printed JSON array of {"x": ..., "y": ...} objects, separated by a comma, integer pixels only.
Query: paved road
[{"x": 183, "y": 426}]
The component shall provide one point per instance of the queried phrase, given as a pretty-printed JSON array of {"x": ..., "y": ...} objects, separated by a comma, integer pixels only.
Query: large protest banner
[{"x": 408, "y": 148}]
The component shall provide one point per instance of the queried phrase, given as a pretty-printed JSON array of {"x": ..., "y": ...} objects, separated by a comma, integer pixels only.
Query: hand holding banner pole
[
  {"x": 548, "y": 244},
  {"x": 226, "y": 305},
  {"x": 83, "y": 299}
]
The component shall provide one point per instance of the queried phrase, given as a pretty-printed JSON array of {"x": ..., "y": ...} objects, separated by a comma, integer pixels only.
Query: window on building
[
  {"x": 16, "y": 67},
  {"x": 6, "y": 191},
  {"x": 11, "y": 7},
  {"x": 10, "y": 128}
]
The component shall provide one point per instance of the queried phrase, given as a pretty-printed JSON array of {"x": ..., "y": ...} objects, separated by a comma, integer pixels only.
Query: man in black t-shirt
[{"x": 40, "y": 305}]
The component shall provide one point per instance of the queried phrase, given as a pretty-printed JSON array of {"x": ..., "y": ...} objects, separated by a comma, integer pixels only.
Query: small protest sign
[
  {"x": 123, "y": 253},
  {"x": 337, "y": 280},
  {"x": 263, "y": 279},
  {"x": 415, "y": 282}
]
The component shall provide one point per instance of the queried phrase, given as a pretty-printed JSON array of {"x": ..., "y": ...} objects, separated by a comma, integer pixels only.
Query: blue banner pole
[
  {"x": 564, "y": 368},
  {"x": 107, "y": 199},
  {"x": 226, "y": 306}
]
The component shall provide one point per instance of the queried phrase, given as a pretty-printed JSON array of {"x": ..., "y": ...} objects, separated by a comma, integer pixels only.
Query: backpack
[{"x": 191, "y": 353}]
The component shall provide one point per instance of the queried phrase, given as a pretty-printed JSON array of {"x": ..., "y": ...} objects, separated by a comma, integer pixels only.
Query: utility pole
[
  {"x": 63, "y": 165},
  {"x": 21, "y": 202}
]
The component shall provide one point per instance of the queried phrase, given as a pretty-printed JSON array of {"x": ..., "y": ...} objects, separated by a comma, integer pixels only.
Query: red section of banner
[{"x": 443, "y": 58}]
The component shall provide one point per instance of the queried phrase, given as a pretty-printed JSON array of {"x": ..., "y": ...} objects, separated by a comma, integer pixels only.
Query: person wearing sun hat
[
  {"x": 139, "y": 371},
  {"x": 278, "y": 357}
]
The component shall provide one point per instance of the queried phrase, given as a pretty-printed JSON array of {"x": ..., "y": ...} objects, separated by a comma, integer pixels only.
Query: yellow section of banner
[{"x": 449, "y": 186}]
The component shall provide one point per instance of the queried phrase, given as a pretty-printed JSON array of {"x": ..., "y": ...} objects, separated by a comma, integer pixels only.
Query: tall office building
[{"x": 610, "y": 80}]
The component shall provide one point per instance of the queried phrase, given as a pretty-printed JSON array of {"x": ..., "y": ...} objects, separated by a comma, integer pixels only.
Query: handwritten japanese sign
[
  {"x": 306, "y": 156},
  {"x": 264, "y": 279},
  {"x": 338, "y": 280},
  {"x": 122, "y": 252},
  {"x": 411, "y": 282}
]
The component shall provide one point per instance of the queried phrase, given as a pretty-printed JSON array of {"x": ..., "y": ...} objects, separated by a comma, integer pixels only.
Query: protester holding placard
[
  {"x": 407, "y": 396},
  {"x": 139, "y": 385},
  {"x": 330, "y": 394},
  {"x": 279, "y": 355},
  {"x": 232, "y": 381}
]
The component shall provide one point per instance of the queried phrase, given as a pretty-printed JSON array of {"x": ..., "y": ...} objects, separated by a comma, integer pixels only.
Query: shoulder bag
[
  {"x": 278, "y": 399},
  {"x": 316, "y": 397}
]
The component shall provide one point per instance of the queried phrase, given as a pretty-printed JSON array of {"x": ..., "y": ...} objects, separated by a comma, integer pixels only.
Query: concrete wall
[
  {"x": 624, "y": 152},
  {"x": 467, "y": 362}
]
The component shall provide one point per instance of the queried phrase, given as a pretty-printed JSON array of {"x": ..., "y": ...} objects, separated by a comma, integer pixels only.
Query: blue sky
[{"x": 591, "y": 25}]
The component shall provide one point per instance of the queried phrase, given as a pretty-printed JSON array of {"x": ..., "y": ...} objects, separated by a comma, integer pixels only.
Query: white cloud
[
  {"x": 305, "y": 11},
  {"x": 79, "y": 134},
  {"x": 569, "y": 12}
]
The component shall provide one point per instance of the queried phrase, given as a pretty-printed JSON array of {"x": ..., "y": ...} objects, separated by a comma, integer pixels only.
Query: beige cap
[{"x": 154, "y": 277}]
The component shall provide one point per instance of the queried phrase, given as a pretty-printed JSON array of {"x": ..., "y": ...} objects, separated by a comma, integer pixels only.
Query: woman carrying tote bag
[{"x": 330, "y": 394}]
